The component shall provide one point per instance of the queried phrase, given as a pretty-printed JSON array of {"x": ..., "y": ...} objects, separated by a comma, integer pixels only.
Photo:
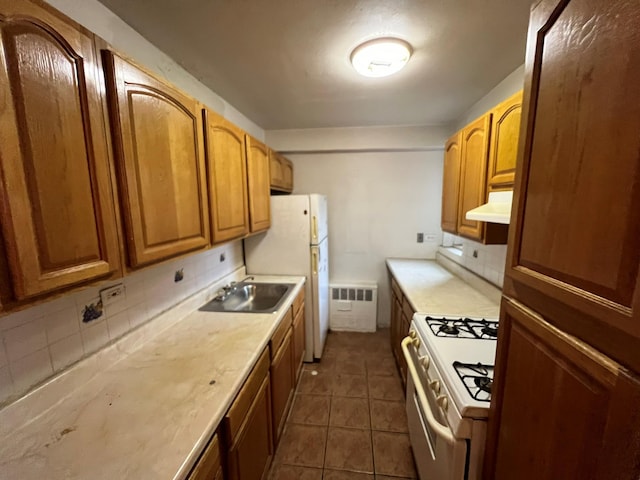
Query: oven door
[{"x": 437, "y": 452}]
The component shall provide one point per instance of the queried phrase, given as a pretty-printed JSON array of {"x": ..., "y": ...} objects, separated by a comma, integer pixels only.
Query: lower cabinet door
[
  {"x": 249, "y": 457},
  {"x": 298, "y": 343},
  {"x": 282, "y": 376},
  {"x": 208, "y": 466},
  {"x": 559, "y": 408}
]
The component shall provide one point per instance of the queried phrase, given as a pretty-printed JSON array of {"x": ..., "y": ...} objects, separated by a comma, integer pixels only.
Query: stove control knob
[
  {"x": 443, "y": 401},
  {"x": 416, "y": 342},
  {"x": 425, "y": 361},
  {"x": 412, "y": 333},
  {"x": 435, "y": 386}
]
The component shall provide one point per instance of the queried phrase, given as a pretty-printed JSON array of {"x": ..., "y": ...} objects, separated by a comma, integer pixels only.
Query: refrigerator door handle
[
  {"x": 315, "y": 228},
  {"x": 315, "y": 262}
]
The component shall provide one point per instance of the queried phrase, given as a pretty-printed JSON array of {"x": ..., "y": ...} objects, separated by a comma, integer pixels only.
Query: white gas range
[{"x": 450, "y": 372}]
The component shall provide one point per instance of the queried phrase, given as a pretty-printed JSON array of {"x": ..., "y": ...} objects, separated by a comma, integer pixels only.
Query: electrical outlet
[
  {"x": 430, "y": 237},
  {"x": 112, "y": 294},
  {"x": 420, "y": 237}
]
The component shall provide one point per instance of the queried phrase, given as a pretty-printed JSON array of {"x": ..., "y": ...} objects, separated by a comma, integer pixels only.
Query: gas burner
[
  {"x": 489, "y": 331},
  {"x": 484, "y": 384},
  {"x": 463, "y": 328},
  {"x": 449, "y": 330},
  {"x": 477, "y": 378}
]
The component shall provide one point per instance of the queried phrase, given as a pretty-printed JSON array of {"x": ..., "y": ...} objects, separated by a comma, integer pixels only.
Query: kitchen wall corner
[
  {"x": 486, "y": 261},
  {"x": 43, "y": 340}
]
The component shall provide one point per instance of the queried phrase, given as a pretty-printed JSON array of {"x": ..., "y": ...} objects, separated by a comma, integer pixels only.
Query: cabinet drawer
[
  {"x": 298, "y": 302},
  {"x": 208, "y": 466},
  {"x": 238, "y": 410},
  {"x": 281, "y": 331},
  {"x": 407, "y": 309}
]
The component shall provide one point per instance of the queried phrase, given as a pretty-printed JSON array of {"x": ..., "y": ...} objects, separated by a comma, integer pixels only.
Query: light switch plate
[{"x": 112, "y": 294}]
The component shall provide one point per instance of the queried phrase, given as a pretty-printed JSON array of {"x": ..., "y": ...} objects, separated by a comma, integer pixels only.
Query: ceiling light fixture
[{"x": 380, "y": 57}]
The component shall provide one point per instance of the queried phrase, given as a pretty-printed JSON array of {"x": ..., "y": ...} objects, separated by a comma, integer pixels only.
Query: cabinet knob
[
  {"x": 425, "y": 361},
  {"x": 435, "y": 386}
]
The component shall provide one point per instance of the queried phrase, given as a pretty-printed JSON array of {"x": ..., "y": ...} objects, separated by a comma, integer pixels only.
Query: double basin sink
[{"x": 250, "y": 297}]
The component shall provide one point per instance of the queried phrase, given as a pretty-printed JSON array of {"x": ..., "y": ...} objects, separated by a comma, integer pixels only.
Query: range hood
[{"x": 496, "y": 210}]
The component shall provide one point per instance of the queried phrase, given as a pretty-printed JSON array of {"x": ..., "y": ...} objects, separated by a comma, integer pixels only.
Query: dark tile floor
[{"x": 348, "y": 418}]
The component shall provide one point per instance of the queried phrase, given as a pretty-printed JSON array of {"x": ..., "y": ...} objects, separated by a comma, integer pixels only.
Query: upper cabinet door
[
  {"x": 574, "y": 244},
  {"x": 451, "y": 184},
  {"x": 473, "y": 176},
  {"x": 227, "y": 178},
  {"x": 505, "y": 130},
  {"x": 57, "y": 207},
  {"x": 159, "y": 148},
  {"x": 258, "y": 180}
]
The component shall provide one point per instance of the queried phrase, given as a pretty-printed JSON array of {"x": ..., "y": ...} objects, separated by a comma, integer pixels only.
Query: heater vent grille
[{"x": 354, "y": 307}]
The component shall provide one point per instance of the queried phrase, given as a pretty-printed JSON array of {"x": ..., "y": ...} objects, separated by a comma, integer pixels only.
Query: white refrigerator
[{"x": 297, "y": 244}]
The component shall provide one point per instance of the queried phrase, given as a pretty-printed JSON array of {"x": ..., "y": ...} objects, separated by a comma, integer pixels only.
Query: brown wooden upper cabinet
[
  {"x": 505, "y": 130},
  {"x": 281, "y": 172},
  {"x": 58, "y": 220},
  {"x": 258, "y": 181},
  {"x": 159, "y": 150},
  {"x": 451, "y": 184},
  {"x": 473, "y": 174},
  {"x": 478, "y": 159},
  {"x": 227, "y": 178}
]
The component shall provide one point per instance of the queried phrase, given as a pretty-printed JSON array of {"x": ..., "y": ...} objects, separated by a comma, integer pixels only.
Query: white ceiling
[{"x": 285, "y": 63}]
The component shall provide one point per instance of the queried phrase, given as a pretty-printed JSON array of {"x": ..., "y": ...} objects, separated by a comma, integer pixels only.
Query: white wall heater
[{"x": 353, "y": 307}]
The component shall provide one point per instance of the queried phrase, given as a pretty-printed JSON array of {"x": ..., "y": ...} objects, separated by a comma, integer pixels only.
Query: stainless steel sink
[{"x": 250, "y": 297}]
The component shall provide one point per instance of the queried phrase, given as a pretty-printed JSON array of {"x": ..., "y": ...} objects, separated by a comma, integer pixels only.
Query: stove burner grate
[
  {"x": 463, "y": 328},
  {"x": 477, "y": 378}
]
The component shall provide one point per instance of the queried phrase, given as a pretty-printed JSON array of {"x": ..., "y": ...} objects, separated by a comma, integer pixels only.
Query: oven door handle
[{"x": 441, "y": 430}]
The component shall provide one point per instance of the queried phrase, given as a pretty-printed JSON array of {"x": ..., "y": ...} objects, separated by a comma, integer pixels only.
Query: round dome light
[{"x": 380, "y": 57}]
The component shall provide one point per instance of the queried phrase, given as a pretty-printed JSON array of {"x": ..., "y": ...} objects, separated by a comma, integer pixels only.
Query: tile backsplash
[
  {"x": 40, "y": 341},
  {"x": 488, "y": 262}
]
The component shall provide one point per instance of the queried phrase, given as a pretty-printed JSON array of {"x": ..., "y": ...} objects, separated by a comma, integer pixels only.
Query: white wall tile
[
  {"x": 42, "y": 340},
  {"x": 95, "y": 336},
  {"x": 66, "y": 351},
  {"x": 118, "y": 325},
  {"x": 19, "y": 318},
  {"x": 25, "y": 339},
  {"x": 62, "y": 324},
  {"x": 138, "y": 314},
  {"x": 30, "y": 370},
  {"x": 82, "y": 304}
]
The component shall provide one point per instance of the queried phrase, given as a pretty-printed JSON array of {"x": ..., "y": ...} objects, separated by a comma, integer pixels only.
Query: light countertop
[
  {"x": 431, "y": 288},
  {"x": 146, "y": 407}
]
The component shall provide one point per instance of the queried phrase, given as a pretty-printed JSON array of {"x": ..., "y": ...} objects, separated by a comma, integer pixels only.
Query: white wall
[
  {"x": 94, "y": 16},
  {"x": 378, "y": 202},
  {"x": 406, "y": 138}
]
